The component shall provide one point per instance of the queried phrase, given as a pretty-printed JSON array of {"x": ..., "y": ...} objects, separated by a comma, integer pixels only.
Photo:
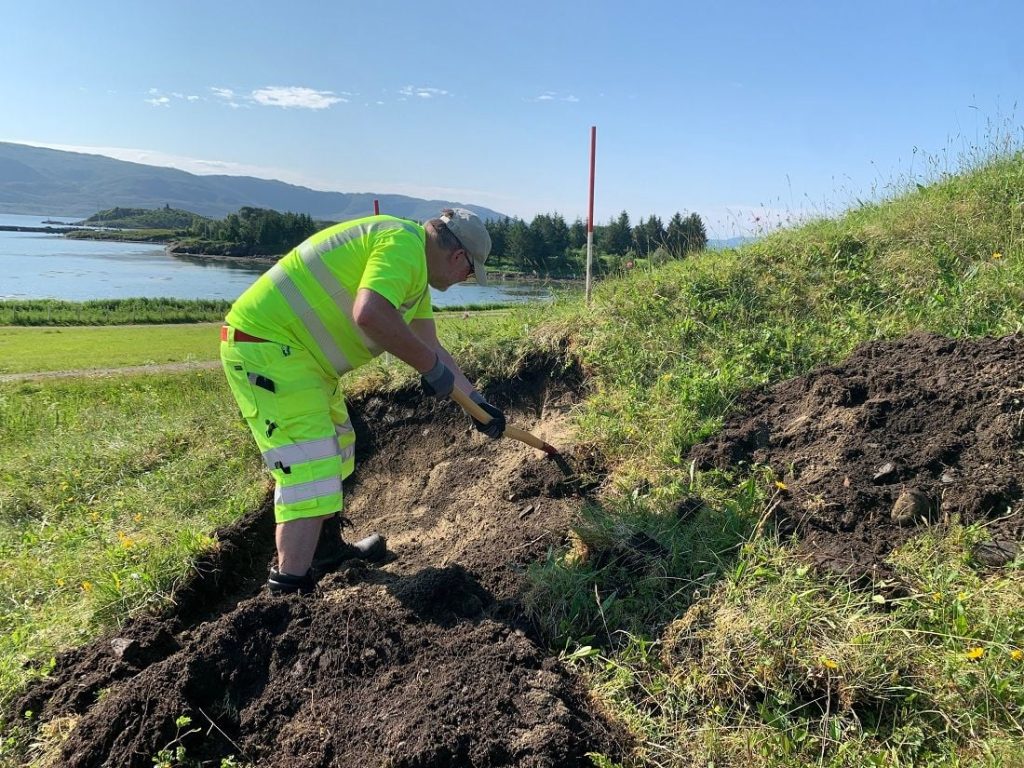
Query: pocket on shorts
[
  {"x": 235, "y": 369},
  {"x": 303, "y": 414}
]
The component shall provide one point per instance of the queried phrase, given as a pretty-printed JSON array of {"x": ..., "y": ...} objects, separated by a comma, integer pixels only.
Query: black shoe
[
  {"x": 284, "y": 583},
  {"x": 332, "y": 549},
  {"x": 331, "y": 554}
]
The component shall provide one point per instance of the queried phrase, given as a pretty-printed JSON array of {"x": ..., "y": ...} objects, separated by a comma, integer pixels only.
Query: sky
[{"x": 751, "y": 114}]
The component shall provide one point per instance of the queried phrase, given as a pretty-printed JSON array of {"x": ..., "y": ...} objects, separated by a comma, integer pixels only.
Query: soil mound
[
  {"x": 902, "y": 434},
  {"x": 424, "y": 661}
]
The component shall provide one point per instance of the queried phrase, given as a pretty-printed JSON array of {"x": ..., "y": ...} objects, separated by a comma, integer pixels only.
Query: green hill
[
  {"x": 143, "y": 218},
  {"x": 36, "y": 180},
  {"x": 797, "y": 667}
]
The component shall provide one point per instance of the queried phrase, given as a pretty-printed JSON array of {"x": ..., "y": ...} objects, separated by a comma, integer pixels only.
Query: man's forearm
[
  {"x": 381, "y": 322},
  {"x": 460, "y": 378}
]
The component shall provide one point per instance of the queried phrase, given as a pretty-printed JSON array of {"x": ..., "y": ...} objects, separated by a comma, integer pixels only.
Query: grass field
[
  {"x": 91, "y": 347},
  {"x": 111, "y": 486},
  {"x": 26, "y": 349}
]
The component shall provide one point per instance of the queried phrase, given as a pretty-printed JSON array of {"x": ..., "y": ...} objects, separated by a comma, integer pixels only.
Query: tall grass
[
  {"x": 141, "y": 311},
  {"x": 111, "y": 311},
  {"x": 110, "y": 488},
  {"x": 670, "y": 351}
]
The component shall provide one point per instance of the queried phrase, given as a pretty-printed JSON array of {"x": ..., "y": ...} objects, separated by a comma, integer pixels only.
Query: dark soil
[
  {"x": 424, "y": 661},
  {"x": 903, "y": 434}
]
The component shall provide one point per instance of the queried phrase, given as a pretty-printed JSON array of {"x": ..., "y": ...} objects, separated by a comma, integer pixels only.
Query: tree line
[
  {"x": 250, "y": 232},
  {"x": 548, "y": 245}
]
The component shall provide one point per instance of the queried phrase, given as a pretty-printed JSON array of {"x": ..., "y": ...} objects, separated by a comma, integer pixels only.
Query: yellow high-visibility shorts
[{"x": 297, "y": 415}]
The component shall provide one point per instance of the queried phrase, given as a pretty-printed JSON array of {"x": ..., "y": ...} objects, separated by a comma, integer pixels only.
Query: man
[{"x": 332, "y": 304}]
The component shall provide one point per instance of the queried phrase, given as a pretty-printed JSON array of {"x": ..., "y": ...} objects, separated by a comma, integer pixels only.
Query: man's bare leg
[{"x": 296, "y": 544}]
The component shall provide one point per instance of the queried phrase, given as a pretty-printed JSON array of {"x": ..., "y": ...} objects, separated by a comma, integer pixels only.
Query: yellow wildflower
[
  {"x": 975, "y": 653},
  {"x": 997, "y": 255},
  {"x": 829, "y": 664},
  {"x": 87, "y": 586},
  {"x": 780, "y": 485},
  {"x": 1017, "y": 654}
]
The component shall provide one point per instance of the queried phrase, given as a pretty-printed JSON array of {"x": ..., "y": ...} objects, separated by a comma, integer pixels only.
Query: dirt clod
[
  {"x": 911, "y": 507},
  {"x": 919, "y": 428}
]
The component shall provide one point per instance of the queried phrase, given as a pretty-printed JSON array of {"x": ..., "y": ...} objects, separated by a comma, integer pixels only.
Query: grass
[
  {"x": 110, "y": 487},
  {"x": 777, "y": 667},
  {"x": 50, "y": 348},
  {"x": 111, "y": 311},
  {"x": 669, "y": 352},
  {"x": 130, "y": 236},
  {"x": 695, "y": 627},
  {"x": 53, "y": 312},
  {"x": 83, "y": 348}
]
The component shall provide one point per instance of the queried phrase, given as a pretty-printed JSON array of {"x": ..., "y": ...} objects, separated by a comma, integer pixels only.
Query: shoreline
[
  {"x": 496, "y": 276},
  {"x": 260, "y": 260}
]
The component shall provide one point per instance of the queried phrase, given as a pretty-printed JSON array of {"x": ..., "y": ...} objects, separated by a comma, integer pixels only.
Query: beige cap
[{"x": 471, "y": 232}]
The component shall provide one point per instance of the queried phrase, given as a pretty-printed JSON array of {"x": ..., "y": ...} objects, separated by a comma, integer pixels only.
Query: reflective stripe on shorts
[
  {"x": 315, "y": 489},
  {"x": 297, "y": 453}
]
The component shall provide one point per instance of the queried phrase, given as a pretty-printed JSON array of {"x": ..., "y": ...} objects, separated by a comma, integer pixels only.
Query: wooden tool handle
[{"x": 484, "y": 417}]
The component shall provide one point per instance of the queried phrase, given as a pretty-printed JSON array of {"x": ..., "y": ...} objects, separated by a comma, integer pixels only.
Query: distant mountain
[
  {"x": 34, "y": 180},
  {"x": 731, "y": 242}
]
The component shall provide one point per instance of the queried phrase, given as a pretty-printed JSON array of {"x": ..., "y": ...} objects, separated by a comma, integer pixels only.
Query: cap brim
[{"x": 480, "y": 271}]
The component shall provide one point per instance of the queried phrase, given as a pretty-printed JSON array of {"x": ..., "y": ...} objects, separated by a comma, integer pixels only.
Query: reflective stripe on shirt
[{"x": 312, "y": 256}]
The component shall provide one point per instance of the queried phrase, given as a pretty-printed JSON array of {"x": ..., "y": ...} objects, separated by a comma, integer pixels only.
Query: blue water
[{"x": 40, "y": 266}]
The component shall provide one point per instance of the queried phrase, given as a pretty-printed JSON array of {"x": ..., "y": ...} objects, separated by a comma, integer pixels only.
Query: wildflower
[
  {"x": 937, "y": 596},
  {"x": 60, "y": 582},
  {"x": 997, "y": 255},
  {"x": 87, "y": 586},
  {"x": 1017, "y": 654},
  {"x": 975, "y": 653},
  {"x": 828, "y": 663},
  {"x": 137, "y": 517},
  {"x": 781, "y": 485}
]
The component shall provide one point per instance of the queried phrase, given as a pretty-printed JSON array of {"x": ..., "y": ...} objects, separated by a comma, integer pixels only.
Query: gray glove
[
  {"x": 495, "y": 428},
  {"x": 439, "y": 381}
]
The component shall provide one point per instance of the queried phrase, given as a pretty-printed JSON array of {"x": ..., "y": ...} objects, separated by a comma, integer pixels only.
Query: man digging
[{"x": 342, "y": 297}]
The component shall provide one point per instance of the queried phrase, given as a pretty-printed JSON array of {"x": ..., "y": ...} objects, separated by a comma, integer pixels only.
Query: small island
[{"x": 250, "y": 233}]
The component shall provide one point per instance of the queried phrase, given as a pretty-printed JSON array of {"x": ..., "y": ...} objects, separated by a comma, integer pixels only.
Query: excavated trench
[{"x": 426, "y": 660}]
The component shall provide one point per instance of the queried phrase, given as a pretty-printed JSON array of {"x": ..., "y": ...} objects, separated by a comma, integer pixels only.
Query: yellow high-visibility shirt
[{"x": 306, "y": 298}]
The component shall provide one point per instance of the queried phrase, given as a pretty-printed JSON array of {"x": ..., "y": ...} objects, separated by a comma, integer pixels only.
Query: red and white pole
[{"x": 590, "y": 209}]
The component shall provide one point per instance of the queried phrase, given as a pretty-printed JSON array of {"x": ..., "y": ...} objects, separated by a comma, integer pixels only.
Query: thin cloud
[
  {"x": 227, "y": 95},
  {"x": 294, "y": 97},
  {"x": 555, "y": 96},
  {"x": 159, "y": 101},
  {"x": 423, "y": 92}
]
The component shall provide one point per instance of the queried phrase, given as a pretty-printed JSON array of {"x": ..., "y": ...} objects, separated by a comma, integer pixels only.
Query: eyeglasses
[{"x": 472, "y": 266}]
